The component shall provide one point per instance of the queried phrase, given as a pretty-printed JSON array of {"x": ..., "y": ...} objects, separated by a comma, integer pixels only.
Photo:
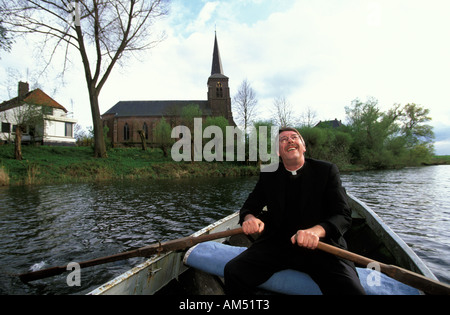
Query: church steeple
[
  {"x": 217, "y": 62},
  {"x": 219, "y": 98}
]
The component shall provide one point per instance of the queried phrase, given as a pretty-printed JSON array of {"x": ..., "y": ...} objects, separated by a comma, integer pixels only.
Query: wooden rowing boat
[{"x": 167, "y": 274}]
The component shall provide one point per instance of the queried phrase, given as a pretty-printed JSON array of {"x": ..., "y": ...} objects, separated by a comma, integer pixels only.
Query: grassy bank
[
  {"x": 441, "y": 160},
  {"x": 48, "y": 165}
]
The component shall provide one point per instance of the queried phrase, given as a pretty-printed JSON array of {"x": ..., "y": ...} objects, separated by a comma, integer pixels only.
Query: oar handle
[{"x": 410, "y": 278}]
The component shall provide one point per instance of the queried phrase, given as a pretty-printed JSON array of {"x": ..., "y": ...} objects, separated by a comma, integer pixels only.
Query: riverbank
[{"x": 53, "y": 165}]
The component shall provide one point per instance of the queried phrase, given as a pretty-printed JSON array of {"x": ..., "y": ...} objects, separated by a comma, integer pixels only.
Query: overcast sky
[{"x": 318, "y": 54}]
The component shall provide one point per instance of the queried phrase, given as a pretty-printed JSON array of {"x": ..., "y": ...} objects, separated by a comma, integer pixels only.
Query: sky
[{"x": 319, "y": 55}]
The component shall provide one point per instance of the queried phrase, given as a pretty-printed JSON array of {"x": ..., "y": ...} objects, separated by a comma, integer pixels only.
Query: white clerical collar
[{"x": 295, "y": 171}]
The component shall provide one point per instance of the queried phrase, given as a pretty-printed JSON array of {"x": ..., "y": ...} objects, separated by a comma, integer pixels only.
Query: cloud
[
  {"x": 442, "y": 147},
  {"x": 203, "y": 17},
  {"x": 442, "y": 139}
]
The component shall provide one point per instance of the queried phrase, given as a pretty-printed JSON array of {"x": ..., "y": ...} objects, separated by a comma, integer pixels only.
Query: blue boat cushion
[{"x": 211, "y": 257}]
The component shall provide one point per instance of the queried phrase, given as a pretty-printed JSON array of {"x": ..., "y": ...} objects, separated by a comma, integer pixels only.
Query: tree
[
  {"x": 397, "y": 137},
  {"x": 5, "y": 41},
  {"x": 418, "y": 136},
  {"x": 282, "y": 112},
  {"x": 162, "y": 134},
  {"x": 308, "y": 118},
  {"x": 102, "y": 31},
  {"x": 188, "y": 115},
  {"x": 370, "y": 129},
  {"x": 244, "y": 104},
  {"x": 413, "y": 118},
  {"x": 25, "y": 116},
  {"x": 219, "y": 139}
]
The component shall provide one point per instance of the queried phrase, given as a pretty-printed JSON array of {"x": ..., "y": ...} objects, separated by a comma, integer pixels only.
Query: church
[{"x": 127, "y": 119}]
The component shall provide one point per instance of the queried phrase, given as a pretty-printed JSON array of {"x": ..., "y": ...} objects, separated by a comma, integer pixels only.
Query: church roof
[
  {"x": 154, "y": 108},
  {"x": 217, "y": 62}
]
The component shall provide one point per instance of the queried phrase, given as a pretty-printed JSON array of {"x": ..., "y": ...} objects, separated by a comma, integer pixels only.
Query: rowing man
[{"x": 305, "y": 203}]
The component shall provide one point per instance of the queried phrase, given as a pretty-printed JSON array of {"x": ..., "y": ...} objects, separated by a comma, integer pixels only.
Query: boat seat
[{"x": 211, "y": 257}]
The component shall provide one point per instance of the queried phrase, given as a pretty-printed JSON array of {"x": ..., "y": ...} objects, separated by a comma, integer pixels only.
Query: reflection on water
[{"x": 48, "y": 226}]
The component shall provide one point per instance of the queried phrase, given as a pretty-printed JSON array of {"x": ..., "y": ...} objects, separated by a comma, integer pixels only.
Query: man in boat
[{"x": 305, "y": 203}]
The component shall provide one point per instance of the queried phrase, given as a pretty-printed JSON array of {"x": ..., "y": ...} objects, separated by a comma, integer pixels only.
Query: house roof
[
  {"x": 154, "y": 108},
  {"x": 35, "y": 97},
  {"x": 329, "y": 124}
]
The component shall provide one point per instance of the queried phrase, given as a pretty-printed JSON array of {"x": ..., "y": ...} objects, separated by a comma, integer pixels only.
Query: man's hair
[{"x": 283, "y": 129}]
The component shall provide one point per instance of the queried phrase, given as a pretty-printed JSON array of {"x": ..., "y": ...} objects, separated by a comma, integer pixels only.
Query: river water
[{"x": 52, "y": 225}]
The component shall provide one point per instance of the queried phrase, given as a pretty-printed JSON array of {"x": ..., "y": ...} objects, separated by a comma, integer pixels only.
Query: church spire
[{"x": 217, "y": 62}]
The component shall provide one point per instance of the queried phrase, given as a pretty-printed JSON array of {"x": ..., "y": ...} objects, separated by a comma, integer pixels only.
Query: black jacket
[{"x": 321, "y": 200}]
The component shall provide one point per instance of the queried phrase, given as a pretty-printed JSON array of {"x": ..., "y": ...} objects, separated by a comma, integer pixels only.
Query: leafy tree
[
  {"x": 371, "y": 129},
  {"x": 327, "y": 144},
  {"x": 222, "y": 123},
  {"x": 413, "y": 118},
  {"x": 162, "y": 134},
  {"x": 188, "y": 115},
  {"x": 418, "y": 136}
]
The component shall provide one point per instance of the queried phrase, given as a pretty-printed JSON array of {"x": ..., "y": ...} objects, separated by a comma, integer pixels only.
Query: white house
[{"x": 56, "y": 128}]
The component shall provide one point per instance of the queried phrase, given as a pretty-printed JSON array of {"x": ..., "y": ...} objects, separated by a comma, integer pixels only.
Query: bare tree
[
  {"x": 102, "y": 31},
  {"x": 308, "y": 118},
  {"x": 282, "y": 112},
  {"x": 244, "y": 105}
]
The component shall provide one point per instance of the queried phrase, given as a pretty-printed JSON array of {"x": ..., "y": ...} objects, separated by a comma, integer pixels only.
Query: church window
[
  {"x": 126, "y": 132},
  {"x": 219, "y": 89}
]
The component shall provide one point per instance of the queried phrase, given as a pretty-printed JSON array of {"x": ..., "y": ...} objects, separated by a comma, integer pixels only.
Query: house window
[
  {"x": 219, "y": 89},
  {"x": 6, "y": 127},
  {"x": 69, "y": 130},
  {"x": 145, "y": 129},
  {"x": 126, "y": 132}
]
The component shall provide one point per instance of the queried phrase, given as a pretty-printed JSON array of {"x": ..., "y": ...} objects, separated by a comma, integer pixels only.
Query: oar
[
  {"x": 410, "y": 278},
  {"x": 147, "y": 251}
]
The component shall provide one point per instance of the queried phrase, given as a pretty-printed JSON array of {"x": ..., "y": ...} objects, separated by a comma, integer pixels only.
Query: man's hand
[
  {"x": 252, "y": 225},
  {"x": 308, "y": 238}
]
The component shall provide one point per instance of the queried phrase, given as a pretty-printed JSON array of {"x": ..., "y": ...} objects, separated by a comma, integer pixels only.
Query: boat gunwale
[{"x": 217, "y": 226}]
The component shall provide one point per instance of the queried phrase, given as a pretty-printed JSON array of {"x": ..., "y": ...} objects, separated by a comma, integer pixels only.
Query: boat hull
[{"x": 380, "y": 243}]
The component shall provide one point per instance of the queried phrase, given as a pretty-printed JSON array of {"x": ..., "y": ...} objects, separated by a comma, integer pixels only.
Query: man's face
[{"x": 291, "y": 146}]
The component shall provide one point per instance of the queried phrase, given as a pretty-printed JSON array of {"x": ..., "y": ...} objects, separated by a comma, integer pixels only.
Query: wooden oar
[
  {"x": 147, "y": 251},
  {"x": 410, "y": 278}
]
